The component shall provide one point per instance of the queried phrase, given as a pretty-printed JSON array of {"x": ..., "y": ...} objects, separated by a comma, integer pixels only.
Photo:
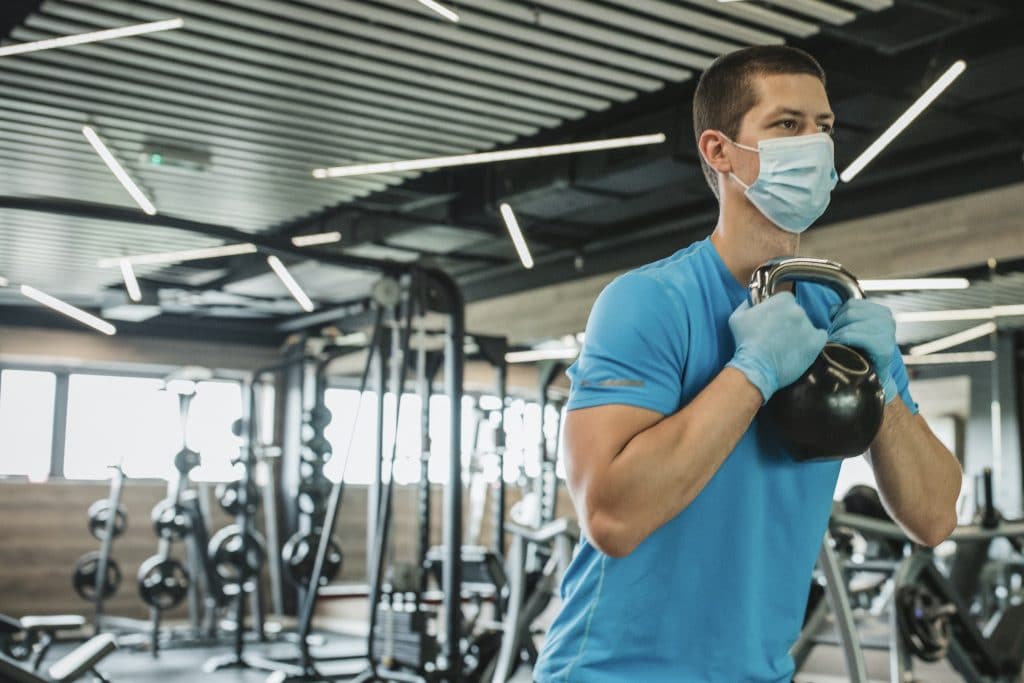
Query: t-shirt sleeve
[
  {"x": 899, "y": 375},
  {"x": 634, "y": 349}
]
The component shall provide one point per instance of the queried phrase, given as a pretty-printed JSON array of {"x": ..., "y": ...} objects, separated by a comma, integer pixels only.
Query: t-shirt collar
[{"x": 737, "y": 293}]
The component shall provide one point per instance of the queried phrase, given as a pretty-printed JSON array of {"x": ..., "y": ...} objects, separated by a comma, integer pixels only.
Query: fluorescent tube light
[
  {"x": 952, "y": 340},
  {"x": 535, "y": 355},
  {"x": 316, "y": 238},
  {"x": 486, "y": 157},
  {"x": 905, "y": 119},
  {"x": 943, "y": 358},
  {"x": 130, "y": 283},
  {"x": 440, "y": 9},
  {"x": 959, "y": 314},
  {"x": 4, "y": 281},
  {"x": 517, "y": 236},
  {"x": 118, "y": 171},
  {"x": 911, "y": 284},
  {"x": 92, "y": 37},
  {"x": 290, "y": 283},
  {"x": 68, "y": 310},
  {"x": 179, "y": 256}
]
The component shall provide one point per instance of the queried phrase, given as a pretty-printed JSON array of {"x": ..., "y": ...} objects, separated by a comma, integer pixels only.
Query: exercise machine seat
[
  {"x": 83, "y": 658},
  {"x": 59, "y": 622}
]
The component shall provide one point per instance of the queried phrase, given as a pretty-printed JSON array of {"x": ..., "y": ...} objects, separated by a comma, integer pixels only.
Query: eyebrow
[{"x": 825, "y": 116}]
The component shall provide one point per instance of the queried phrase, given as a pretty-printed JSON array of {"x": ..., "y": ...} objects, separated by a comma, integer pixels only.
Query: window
[
  {"x": 130, "y": 420},
  {"x": 26, "y": 422},
  {"x": 215, "y": 407}
]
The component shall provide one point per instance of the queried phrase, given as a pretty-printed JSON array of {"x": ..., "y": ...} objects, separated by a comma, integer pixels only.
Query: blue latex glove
[
  {"x": 868, "y": 327},
  {"x": 775, "y": 342}
]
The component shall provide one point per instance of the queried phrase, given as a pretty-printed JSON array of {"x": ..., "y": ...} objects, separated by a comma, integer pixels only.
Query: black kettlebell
[{"x": 834, "y": 410}]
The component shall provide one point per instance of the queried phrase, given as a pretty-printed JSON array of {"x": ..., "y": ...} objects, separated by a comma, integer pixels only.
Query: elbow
[
  {"x": 938, "y": 531},
  {"x": 609, "y": 535}
]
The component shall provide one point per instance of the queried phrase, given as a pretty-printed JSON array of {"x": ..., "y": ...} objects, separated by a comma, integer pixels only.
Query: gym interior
[{"x": 232, "y": 232}]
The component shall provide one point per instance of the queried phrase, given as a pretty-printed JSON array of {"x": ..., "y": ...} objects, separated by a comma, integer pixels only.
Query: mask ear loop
[{"x": 746, "y": 147}]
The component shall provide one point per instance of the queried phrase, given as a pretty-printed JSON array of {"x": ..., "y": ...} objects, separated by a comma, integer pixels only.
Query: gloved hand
[
  {"x": 775, "y": 342},
  {"x": 868, "y": 327}
]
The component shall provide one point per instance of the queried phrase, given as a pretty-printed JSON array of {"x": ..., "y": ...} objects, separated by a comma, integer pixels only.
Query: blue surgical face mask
[{"x": 795, "y": 181}]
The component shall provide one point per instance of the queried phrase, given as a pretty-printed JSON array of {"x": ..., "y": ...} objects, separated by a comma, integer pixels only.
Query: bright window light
[
  {"x": 317, "y": 238},
  {"x": 4, "y": 281},
  {"x": 905, "y": 119},
  {"x": 910, "y": 284},
  {"x": 944, "y": 358},
  {"x": 440, "y": 9},
  {"x": 115, "y": 167},
  {"x": 179, "y": 256},
  {"x": 293, "y": 287},
  {"x": 517, "y": 236},
  {"x": 130, "y": 283},
  {"x": 68, "y": 310},
  {"x": 952, "y": 340},
  {"x": 26, "y": 422},
  {"x": 959, "y": 314},
  {"x": 487, "y": 157},
  {"x": 92, "y": 37}
]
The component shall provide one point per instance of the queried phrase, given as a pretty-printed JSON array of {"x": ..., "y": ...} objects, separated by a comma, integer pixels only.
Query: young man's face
[{"x": 788, "y": 105}]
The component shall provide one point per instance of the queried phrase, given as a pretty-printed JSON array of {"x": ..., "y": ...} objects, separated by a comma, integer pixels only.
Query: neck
[{"x": 745, "y": 239}]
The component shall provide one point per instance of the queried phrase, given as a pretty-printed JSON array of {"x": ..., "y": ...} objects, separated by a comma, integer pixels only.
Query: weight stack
[{"x": 400, "y": 637}]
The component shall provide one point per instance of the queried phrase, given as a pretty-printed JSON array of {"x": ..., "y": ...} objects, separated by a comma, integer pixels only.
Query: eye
[
  {"x": 827, "y": 128},
  {"x": 788, "y": 124}
]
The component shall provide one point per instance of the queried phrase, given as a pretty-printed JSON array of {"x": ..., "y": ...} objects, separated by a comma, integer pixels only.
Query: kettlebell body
[{"x": 835, "y": 409}]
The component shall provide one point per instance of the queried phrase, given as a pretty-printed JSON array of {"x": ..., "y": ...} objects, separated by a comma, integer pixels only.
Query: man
[{"x": 700, "y": 531}]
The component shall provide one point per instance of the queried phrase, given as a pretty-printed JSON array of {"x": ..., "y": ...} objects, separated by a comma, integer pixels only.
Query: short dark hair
[{"x": 725, "y": 91}]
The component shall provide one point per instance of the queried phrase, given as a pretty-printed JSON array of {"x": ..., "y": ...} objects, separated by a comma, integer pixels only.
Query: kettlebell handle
[{"x": 769, "y": 275}]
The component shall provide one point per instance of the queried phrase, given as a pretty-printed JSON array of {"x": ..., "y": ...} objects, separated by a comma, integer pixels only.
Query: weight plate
[
  {"x": 312, "y": 496},
  {"x": 84, "y": 577},
  {"x": 299, "y": 556},
  {"x": 171, "y": 521},
  {"x": 923, "y": 622},
  {"x": 232, "y": 564},
  {"x": 99, "y": 515},
  {"x": 163, "y": 582},
  {"x": 229, "y": 496}
]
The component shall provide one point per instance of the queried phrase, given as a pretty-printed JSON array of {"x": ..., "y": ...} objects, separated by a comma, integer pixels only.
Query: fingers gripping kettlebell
[{"x": 834, "y": 410}]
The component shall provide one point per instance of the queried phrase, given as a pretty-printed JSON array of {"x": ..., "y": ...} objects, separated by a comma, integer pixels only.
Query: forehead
[{"x": 791, "y": 91}]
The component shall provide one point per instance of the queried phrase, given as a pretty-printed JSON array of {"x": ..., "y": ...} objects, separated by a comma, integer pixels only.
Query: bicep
[{"x": 595, "y": 436}]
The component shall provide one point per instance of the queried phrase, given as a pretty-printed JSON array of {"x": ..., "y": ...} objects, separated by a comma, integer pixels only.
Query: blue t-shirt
[{"x": 717, "y": 593}]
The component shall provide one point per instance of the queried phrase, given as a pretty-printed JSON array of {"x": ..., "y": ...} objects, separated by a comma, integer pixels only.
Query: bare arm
[
  {"x": 630, "y": 470},
  {"x": 918, "y": 478}
]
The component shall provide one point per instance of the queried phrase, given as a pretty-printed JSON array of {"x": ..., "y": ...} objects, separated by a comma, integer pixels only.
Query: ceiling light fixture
[
  {"x": 959, "y": 314},
  {"x": 68, "y": 310},
  {"x": 92, "y": 37},
  {"x": 293, "y": 287},
  {"x": 517, "y": 236},
  {"x": 911, "y": 284},
  {"x": 179, "y": 256},
  {"x": 952, "y": 340},
  {"x": 130, "y": 283},
  {"x": 316, "y": 238},
  {"x": 535, "y": 355},
  {"x": 440, "y": 9},
  {"x": 905, "y": 119},
  {"x": 4, "y": 281},
  {"x": 487, "y": 157},
  {"x": 118, "y": 170},
  {"x": 943, "y": 358}
]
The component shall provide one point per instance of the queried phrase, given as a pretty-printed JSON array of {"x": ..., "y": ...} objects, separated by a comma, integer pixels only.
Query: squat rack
[{"x": 441, "y": 294}]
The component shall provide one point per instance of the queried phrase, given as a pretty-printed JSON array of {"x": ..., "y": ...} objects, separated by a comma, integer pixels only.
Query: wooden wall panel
[{"x": 44, "y": 533}]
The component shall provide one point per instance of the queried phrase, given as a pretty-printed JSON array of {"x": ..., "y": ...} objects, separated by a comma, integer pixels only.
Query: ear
[{"x": 711, "y": 145}]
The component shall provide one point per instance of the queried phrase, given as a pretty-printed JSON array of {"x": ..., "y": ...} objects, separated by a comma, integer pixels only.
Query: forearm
[
  {"x": 918, "y": 478},
  {"x": 663, "y": 468}
]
